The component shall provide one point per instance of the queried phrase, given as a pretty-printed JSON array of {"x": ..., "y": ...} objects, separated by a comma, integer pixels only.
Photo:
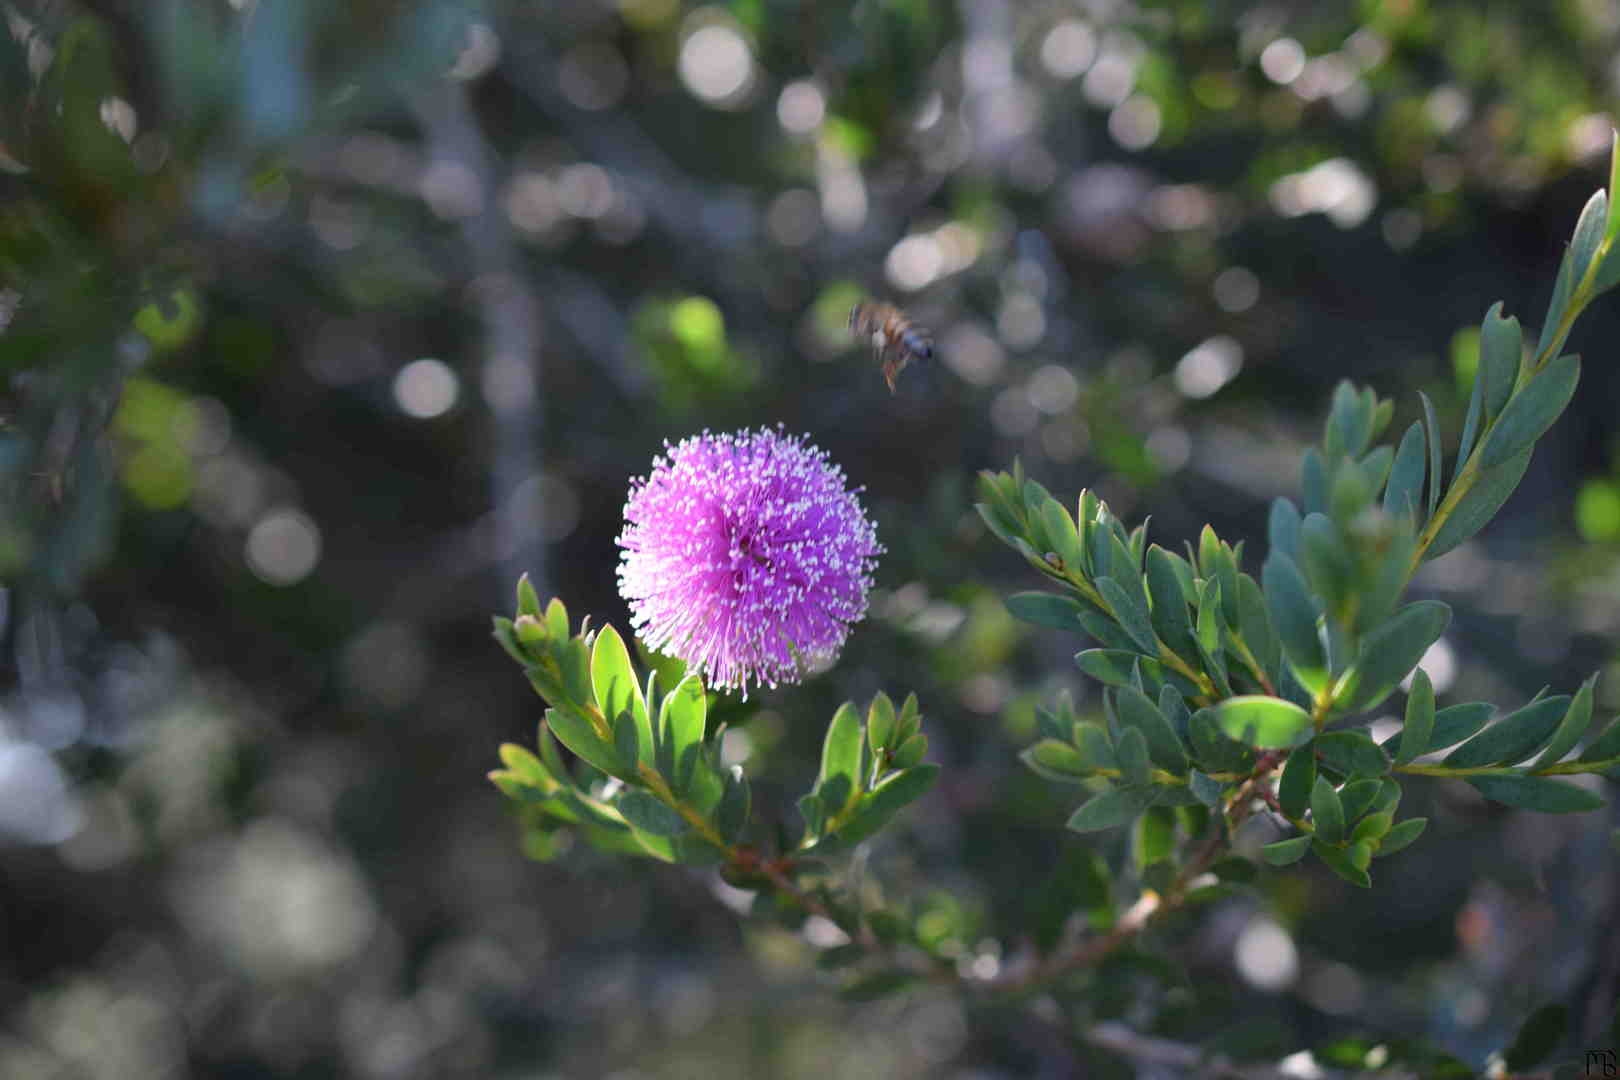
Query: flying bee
[{"x": 895, "y": 340}]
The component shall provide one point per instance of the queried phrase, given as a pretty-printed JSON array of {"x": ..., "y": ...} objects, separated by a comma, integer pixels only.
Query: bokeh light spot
[
  {"x": 716, "y": 65},
  {"x": 283, "y": 547},
  {"x": 1069, "y": 48},
  {"x": 1209, "y": 366},
  {"x": 426, "y": 388},
  {"x": 1265, "y": 955},
  {"x": 1597, "y": 511}
]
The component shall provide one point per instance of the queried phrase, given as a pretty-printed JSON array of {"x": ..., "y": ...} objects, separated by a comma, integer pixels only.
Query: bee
[{"x": 895, "y": 340}]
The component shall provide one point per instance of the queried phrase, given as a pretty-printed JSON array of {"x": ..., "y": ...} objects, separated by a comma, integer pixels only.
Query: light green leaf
[
  {"x": 1327, "y": 812},
  {"x": 576, "y": 733},
  {"x": 1269, "y": 723},
  {"x": 646, "y": 813},
  {"x": 1286, "y": 852},
  {"x": 1057, "y": 761},
  {"x": 1401, "y": 836},
  {"x": 617, "y": 694},
  {"x": 839, "y": 782},
  {"x": 1341, "y": 862}
]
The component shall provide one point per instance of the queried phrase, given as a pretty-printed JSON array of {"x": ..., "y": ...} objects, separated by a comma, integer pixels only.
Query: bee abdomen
[{"x": 918, "y": 343}]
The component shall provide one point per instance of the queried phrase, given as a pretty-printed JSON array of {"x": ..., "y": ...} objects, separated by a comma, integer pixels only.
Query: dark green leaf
[
  {"x": 1215, "y": 751},
  {"x": 1358, "y": 796},
  {"x": 1403, "y": 494},
  {"x": 1471, "y": 426},
  {"x": 1205, "y": 789},
  {"x": 1590, "y": 229},
  {"x": 879, "y": 984},
  {"x": 1551, "y": 339},
  {"x": 1294, "y": 614},
  {"x": 1170, "y": 619},
  {"x": 1111, "y": 667},
  {"x": 1605, "y": 746},
  {"x": 1132, "y": 613},
  {"x": 1164, "y": 746},
  {"x": 888, "y": 798},
  {"x": 1536, "y": 793},
  {"x": 1096, "y": 751},
  {"x": 1501, "y": 345},
  {"x": 1266, "y": 722},
  {"x": 1282, "y": 528},
  {"x": 1047, "y": 609},
  {"x": 1435, "y": 479},
  {"x": 1135, "y": 765},
  {"x": 1475, "y": 509},
  {"x": 1339, "y": 861},
  {"x": 1327, "y": 812},
  {"x": 647, "y": 813},
  {"x": 1254, "y": 622},
  {"x": 1419, "y": 728},
  {"x": 576, "y": 733},
  {"x": 1512, "y": 738},
  {"x": 1352, "y": 753},
  {"x": 1286, "y": 852},
  {"x": 732, "y": 815},
  {"x": 1116, "y": 806},
  {"x": 1455, "y": 723},
  {"x": 1298, "y": 778},
  {"x": 1401, "y": 836},
  {"x": 1313, "y": 482},
  {"x": 1235, "y": 868},
  {"x": 1540, "y": 1035},
  {"x": 1079, "y": 882},
  {"x": 1392, "y": 650},
  {"x": 910, "y": 753},
  {"x": 1532, "y": 411},
  {"x": 1574, "y": 724},
  {"x": 1325, "y": 560}
]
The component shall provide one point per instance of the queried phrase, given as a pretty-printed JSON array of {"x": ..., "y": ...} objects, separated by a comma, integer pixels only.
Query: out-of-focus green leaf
[{"x": 1266, "y": 722}]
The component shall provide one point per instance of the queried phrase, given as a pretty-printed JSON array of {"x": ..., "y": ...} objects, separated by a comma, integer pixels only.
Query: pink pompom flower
[{"x": 746, "y": 556}]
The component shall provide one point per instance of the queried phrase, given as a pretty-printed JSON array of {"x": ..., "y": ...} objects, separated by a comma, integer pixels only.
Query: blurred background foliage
[{"x": 321, "y": 322}]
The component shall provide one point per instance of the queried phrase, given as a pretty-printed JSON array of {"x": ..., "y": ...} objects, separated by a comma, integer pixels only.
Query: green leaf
[
  {"x": 1155, "y": 837},
  {"x": 732, "y": 814},
  {"x": 1501, "y": 346},
  {"x": 1170, "y": 619},
  {"x": 889, "y": 797},
  {"x": 839, "y": 782},
  {"x": 1590, "y": 229},
  {"x": 1392, "y": 650},
  {"x": 1455, "y": 723},
  {"x": 1435, "y": 479},
  {"x": 1577, "y": 718},
  {"x": 1286, "y": 852},
  {"x": 1135, "y": 765},
  {"x": 910, "y": 753},
  {"x": 1419, "y": 725},
  {"x": 1327, "y": 812},
  {"x": 1605, "y": 746},
  {"x": 1047, "y": 609},
  {"x": 617, "y": 694},
  {"x": 1491, "y": 489},
  {"x": 1325, "y": 560},
  {"x": 877, "y": 985},
  {"x": 1401, "y": 836},
  {"x": 682, "y": 718},
  {"x": 1298, "y": 778},
  {"x": 576, "y": 733},
  {"x": 1111, "y": 667},
  {"x": 1539, "y": 1036},
  {"x": 1340, "y": 862},
  {"x": 1358, "y": 796},
  {"x": 1403, "y": 494},
  {"x": 1216, "y": 752},
  {"x": 1313, "y": 482},
  {"x": 1512, "y": 738},
  {"x": 1294, "y": 614},
  {"x": 1209, "y": 632},
  {"x": 1282, "y": 528},
  {"x": 1563, "y": 285},
  {"x": 1164, "y": 746},
  {"x": 1470, "y": 431},
  {"x": 1254, "y": 622},
  {"x": 1057, "y": 761},
  {"x": 1079, "y": 882},
  {"x": 1206, "y": 789},
  {"x": 1352, "y": 753},
  {"x": 1235, "y": 868},
  {"x": 1532, "y": 411},
  {"x": 880, "y": 722},
  {"x": 1061, "y": 533},
  {"x": 1131, "y": 612},
  {"x": 1536, "y": 793},
  {"x": 1096, "y": 751},
  {"x": 1372, "y": 828},
  {"x": 646, "y": 813},
  {"x": 1266, "y": 722},
  {"x": 1116, "y": 806}
]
